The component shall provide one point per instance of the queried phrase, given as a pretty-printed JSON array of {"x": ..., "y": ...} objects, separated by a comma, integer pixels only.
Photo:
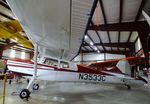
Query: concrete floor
[{"x": 77, "y": 93}]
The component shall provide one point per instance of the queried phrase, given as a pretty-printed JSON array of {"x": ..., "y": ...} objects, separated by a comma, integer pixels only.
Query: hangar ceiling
[
  {"x": 7, "y": 16},
  {"x": 110, "y": 28}
]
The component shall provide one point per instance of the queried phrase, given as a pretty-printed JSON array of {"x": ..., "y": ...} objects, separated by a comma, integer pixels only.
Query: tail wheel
[
  {"x": 35, "y": 86},
  {"x": 128, "y": 86},
  {"x": 25, "y": 93}
]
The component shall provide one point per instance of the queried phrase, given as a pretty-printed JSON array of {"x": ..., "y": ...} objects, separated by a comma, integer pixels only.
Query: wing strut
[{"x": 35, "y": 66}]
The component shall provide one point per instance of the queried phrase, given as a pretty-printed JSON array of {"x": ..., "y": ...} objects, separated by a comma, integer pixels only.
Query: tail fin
[{"x": 124, "y": 66}]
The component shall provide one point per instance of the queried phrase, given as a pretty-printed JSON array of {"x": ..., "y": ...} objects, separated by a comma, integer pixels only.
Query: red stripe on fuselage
[
  {"x": 30, "y": 62},
  {"x": 81, "y": 69},
  {"x": 28, "y": 67},
  {"x": 85, "y": 69}
]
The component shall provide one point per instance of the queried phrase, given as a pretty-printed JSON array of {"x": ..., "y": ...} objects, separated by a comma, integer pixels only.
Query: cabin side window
[
  {"x": 64, "y": 64},
  {"x": 51, "y": 62}
]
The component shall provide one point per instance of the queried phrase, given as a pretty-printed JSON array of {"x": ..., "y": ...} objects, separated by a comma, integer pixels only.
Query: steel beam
[
  {"x": 121, "y": 45},
  {"x": 126, "y": 26}
]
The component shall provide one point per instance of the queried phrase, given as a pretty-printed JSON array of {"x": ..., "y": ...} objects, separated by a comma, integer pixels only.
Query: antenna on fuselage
[
  {"x": 62, "y": 51},
  {"x": 42, "y": 48}
]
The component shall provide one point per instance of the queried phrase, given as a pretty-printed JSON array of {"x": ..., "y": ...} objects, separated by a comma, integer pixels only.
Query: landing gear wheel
[
  {"x": 25, "y": 93},
  {"x": 128, "y": 86},
  {"x": 35, "y": 86}
]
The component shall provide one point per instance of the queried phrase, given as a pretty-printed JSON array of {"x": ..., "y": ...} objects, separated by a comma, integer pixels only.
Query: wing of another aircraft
[
  {"x": 52, "y": 23},
  {"x": 10, "y": 30},
  {"x": 113, "y": 63}
]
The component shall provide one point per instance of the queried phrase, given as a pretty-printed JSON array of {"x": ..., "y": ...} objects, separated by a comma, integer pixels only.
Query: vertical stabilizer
[{"x": 124, "y": 66}]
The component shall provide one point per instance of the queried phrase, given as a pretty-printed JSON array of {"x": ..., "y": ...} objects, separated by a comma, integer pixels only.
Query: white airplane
[
  {"x": 50, "y": 24},
  {"x": 55, "y": 70}
]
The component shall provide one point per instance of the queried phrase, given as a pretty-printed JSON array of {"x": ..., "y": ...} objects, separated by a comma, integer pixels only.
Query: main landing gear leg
[{"x": 25, "y": 93}]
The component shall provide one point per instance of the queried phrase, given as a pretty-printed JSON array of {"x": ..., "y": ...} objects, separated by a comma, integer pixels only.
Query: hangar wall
[
  {"x": 87, "y": 58},
  {"x": 18, "y": 54}
]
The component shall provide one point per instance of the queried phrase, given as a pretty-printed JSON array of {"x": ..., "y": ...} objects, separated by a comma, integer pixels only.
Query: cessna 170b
[
  {"x": 117, "y": 72},
  {"x": 52, "y": 26}
]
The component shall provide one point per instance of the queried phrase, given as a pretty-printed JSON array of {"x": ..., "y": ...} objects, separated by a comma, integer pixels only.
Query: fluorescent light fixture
[
  {"x": 98, "y": 51},
  {"x": 23, "y": 55},
  {"x": 95, "y": 48},
  {"x": 85, "y": 37},
  {"x": 91, "y": 43},
  {"x": 12, "y": 53}
]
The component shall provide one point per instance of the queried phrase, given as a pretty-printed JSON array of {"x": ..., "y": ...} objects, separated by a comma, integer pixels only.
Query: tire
[
  {"x": 25, "y": 93},
  {"x": 35, "y": 86}
]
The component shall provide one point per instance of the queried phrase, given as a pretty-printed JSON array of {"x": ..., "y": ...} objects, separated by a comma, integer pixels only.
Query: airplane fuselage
[{"x": 51, "y": 73}]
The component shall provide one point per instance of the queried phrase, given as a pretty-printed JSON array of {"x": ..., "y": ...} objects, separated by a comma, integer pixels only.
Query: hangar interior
[{"x": 89, "y": 37}]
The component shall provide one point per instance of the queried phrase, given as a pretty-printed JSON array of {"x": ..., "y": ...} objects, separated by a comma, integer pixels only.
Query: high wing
[
  {"x": 10, "y": 30},
  {"x": 121, "y": 66},
  {"x": 135, "y": 60},
  {"x": 111, "y": 63},
  {"x": 53, "y": 24}
]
